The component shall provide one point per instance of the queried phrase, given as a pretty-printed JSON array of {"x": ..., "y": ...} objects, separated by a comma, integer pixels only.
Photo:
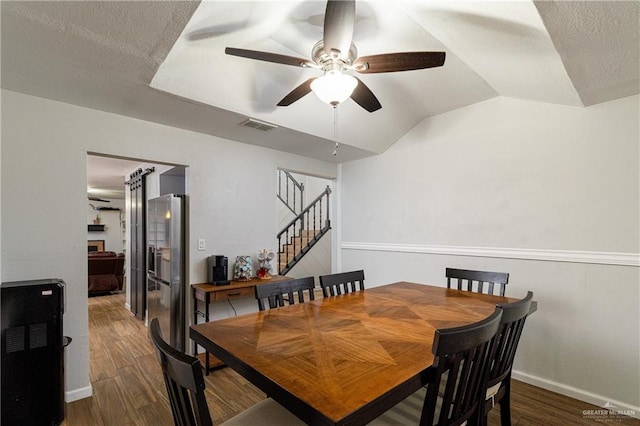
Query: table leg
[
  {"x": 207, "y": 299},
  {"x": 195, "y": 320}
]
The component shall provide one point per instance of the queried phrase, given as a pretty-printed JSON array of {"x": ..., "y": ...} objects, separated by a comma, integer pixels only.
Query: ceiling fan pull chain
[{"x": 335, "y": 129}]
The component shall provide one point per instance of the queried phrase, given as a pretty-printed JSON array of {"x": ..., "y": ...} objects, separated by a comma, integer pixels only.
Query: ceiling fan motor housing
[{"x": 335, "y": 62}]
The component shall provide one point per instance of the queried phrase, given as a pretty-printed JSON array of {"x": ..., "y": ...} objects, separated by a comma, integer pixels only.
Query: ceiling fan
[{"x": 335, "y": 54}]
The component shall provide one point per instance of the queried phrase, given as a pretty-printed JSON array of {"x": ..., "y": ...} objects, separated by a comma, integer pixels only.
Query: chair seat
[{"x": 267, "y": 412}]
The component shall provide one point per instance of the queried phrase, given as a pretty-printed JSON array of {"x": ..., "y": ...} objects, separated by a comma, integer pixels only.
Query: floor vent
[{"x": 258, "y": 125}]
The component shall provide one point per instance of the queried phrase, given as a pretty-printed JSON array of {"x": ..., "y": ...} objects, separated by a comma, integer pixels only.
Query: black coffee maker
[{"x": 218, "y": 270}]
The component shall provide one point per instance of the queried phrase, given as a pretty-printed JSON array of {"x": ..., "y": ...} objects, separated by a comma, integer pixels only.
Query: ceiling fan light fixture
[{"x": 334, "y": 87}]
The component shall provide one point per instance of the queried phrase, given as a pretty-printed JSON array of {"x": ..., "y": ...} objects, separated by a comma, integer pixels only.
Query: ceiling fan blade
[
  {"x": 402, "y": 61},
  {"x": 364, "y": 97},
  {"x": 339, "y": 20},
  {"x": 270, "y": 57},
  {"x": 297, "y": 93}
]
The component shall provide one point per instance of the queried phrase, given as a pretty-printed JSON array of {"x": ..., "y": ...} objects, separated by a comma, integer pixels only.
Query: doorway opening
[
  {"x": 120, "y": 229},
  {"x": 303, "y": 219}
]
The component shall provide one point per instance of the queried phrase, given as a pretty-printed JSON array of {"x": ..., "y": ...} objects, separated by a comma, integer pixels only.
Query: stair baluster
[{"x": 296, "y": 187}]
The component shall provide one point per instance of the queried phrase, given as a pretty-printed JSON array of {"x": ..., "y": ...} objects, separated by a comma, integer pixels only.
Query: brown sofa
[{"x": 106, "y": 271}]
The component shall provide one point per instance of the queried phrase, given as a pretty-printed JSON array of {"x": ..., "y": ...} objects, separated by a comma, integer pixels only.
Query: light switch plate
[{"x": 201, "y": 244}]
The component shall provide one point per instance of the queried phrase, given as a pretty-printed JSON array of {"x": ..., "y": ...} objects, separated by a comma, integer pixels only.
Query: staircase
[{"x": 303, "y": 232}]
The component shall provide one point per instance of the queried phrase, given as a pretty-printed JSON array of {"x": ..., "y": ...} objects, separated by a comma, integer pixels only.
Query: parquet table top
[{"x": 343, "y": 359}]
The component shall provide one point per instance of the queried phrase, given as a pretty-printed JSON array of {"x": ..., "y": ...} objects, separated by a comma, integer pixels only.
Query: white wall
[
  {"x": 545, "y": 192},
  {"x": 48, "y": 141}
]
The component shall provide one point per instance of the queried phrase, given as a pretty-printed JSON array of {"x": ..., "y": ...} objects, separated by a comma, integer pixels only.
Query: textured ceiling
[{"x": 164, "y": 62}]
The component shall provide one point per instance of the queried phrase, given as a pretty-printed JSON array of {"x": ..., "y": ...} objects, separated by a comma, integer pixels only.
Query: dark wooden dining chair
[
  {"x": 278, "y": 293},
  {"x": 184, "y": 381},
  {"x": 454, "y": 387},
  {"x": 185, "y": 386},
  {"x": 466, "y": 279},
  {"x": 342, "y": 283},
  {"x": 498, "y": 389}
]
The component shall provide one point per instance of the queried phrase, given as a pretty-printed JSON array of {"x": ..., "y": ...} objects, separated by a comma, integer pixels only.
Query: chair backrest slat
[
  {"x": 342, "y": 283},
  {"x": 469, "y": 277},
  {"x": 275, "y": 292},
  {"x": 184, "y": 381}
]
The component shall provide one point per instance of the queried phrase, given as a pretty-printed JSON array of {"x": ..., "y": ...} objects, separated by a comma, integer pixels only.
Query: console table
[{"x": 207, "y": 293}]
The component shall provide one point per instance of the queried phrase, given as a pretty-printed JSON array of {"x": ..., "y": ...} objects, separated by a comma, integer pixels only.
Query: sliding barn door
[{"x": 138, "y": 262}]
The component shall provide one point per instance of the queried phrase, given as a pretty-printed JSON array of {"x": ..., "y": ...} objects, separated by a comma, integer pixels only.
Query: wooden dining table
[{"x": 344, "y": 359}]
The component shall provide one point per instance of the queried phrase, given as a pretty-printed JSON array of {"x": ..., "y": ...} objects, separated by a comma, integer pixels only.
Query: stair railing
[
  {"x": 293, "y": 194},
  {"x": 310, "y": 225}
]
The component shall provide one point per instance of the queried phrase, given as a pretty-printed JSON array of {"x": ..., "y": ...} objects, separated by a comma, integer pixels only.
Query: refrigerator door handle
[{"x": 151, "y": 261}]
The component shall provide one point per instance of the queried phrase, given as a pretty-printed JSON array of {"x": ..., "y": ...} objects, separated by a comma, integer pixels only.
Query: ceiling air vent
[{"x": 258, "y": 125}]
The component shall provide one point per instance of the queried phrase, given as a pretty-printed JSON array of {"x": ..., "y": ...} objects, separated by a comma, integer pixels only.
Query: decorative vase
[
  {"x": 264, "y": 270},
  {"x": 243, "y": 269}
]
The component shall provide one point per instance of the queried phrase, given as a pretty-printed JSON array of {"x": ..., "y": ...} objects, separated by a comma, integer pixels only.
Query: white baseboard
[
  {"x": 575, "y": 393},
  {"x": 128, "y": 306},
  {"x": 76, "y": 394},
  {"x": 602, "y": 258}
]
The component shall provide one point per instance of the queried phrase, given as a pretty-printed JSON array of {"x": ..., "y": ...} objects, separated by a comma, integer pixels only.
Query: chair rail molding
[{"x": 593, "y": 257}]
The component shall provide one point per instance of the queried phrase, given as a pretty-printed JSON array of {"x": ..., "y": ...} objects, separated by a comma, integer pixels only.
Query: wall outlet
[{"x": 201, "y": 244}]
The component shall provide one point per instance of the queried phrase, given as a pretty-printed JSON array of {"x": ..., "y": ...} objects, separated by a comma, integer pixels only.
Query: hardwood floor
[{"x": 129, "y": 390}]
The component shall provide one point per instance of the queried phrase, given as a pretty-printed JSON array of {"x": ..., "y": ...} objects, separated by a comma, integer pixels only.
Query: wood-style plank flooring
[{"x": 128, "y": 387}]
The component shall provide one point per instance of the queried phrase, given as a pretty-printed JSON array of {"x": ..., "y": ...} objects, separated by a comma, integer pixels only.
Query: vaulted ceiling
[{"x": 165, "y": 62}]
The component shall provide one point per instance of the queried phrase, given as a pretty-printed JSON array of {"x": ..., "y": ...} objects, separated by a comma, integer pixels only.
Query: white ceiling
[
  {"x": 165, "y": 62},
  {"x": 106, "y": 176},
  {"x": 475, "y": 69}
]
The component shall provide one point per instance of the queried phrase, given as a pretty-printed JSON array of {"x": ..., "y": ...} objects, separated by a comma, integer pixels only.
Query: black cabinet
[{"x": 32, "y": 352}]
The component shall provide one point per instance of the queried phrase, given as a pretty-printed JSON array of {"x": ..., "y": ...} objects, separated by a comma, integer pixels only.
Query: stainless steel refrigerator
[{"x": 166, "y": 266}]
